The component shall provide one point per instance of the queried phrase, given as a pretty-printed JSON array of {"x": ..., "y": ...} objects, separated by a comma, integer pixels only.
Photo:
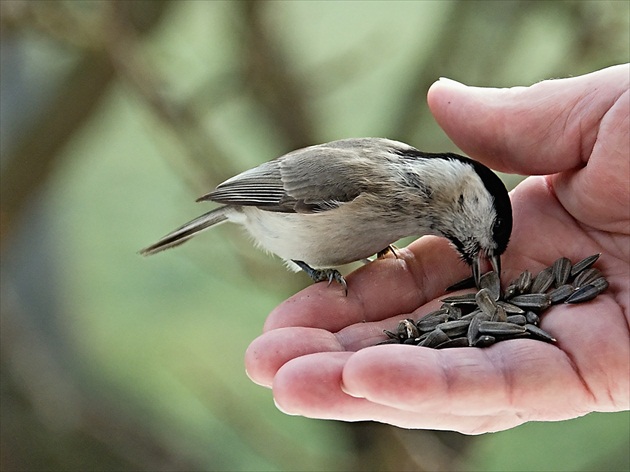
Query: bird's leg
[
  {"x": 391, "y": 248},
  {"x": 319, "y": 275}
]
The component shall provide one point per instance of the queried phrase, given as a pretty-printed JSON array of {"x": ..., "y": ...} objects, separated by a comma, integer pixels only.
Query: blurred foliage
[{"x": 116, "y": 115}]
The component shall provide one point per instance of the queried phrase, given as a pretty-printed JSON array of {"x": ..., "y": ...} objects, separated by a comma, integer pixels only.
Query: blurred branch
[
  {"x": 122, "y": 44},
  {"x": 33, "y": 159},
  {"x": 273, "y": 83},
  {"x": 52, "y": 422},
  {"x": 447, "y": 55}
]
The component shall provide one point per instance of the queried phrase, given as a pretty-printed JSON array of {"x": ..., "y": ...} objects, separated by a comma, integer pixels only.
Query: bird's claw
[{"x": 321, "y": 275}]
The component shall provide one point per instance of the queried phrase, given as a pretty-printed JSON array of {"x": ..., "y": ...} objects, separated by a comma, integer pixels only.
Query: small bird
[{"x": 331, "y": 204}]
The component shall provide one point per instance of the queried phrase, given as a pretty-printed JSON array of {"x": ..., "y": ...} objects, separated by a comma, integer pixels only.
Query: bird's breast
[{"x": 325, "y": 239}]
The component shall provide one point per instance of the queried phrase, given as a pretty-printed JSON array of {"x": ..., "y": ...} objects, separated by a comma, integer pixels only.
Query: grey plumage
[{"x": 343, "y": 201}]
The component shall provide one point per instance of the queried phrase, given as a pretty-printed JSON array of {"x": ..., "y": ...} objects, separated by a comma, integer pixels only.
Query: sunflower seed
[
  {"x": 464, "y": 299},
  {"x": 584, "y": 264},
  {"x": 473, "y": 331},
  {"x": 499, "y": 328},
  {"x": 390, "y": 334},
  {"x": 485, "y": 301},
  {"x": 431, "y": 320},
  {"x": 455, "y": 328},
  {"x": 490, "y": 281},
  {"x": 499, "y": 315},
  {"x": 540, "y": 333},
  {"x": 457, "y": 342},
  {"x": 531, "y": 301},
  {"x": 454, "y": 312},
  {"x": 561, "y": 269},
  {"x": 511, "y": 291},
  {"x": 583, "y": 294},
  {"x": 510, "y": 308},
  {"x": 524, "y": 281},
  {"x": 600, "y": 283},
  {"x": 543, "y": 281},
  {"x": 425, "y": 325},
  {"x": 560, "y": 294},
  {"x": 532, "y": 318},
  {"x": 517, "y": 319},
  {"x": 435, "y": 338},
  {"x": 471, "y": 315},
  {"x": 389, "y": 341},
  {"x": 485, "y": 341},
  {"x": 586, "y": 277},
  {"x": 407, "y": 329}
]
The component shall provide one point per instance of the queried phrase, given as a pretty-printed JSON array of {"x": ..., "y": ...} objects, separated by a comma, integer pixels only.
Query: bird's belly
[{"x": 320, "y": 239}]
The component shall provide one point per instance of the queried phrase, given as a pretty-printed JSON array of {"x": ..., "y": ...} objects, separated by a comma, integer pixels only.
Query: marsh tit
[{"x": 331, "y": 204}]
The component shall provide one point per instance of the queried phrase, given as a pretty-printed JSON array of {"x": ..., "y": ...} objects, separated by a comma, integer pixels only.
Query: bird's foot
[{"x": 320, "y": 275}]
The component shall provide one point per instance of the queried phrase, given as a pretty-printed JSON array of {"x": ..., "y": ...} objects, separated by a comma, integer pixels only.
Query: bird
[{"x": 331, "y": 204}]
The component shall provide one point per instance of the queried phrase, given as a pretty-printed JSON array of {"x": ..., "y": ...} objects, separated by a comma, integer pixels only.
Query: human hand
[{"x": 318, "y": 353}]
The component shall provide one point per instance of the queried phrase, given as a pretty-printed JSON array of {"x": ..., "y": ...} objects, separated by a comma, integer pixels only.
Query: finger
[
  {"x": 311, "y": 386},
  {"x": 549, "y": 127},
  {"x": 379, "y": 290},
  {"x": 598, "y": 194},
  {"x": 267, "y": 353},
  {"x": 522, "y": 377}
]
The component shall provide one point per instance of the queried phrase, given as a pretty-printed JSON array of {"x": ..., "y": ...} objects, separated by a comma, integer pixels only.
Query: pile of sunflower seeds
[{"x": 488, "y": 316}]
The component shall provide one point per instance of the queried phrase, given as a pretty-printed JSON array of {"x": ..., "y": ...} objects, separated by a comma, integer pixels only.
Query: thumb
[{"x": 546, "y": 128}]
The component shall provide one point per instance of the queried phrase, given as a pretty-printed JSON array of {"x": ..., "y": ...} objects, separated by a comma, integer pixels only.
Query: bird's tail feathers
[{"x": 187, "y": 231}]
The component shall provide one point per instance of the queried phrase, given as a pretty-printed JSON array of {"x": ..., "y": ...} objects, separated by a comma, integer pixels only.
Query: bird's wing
[{"x": 309, "y": 180}]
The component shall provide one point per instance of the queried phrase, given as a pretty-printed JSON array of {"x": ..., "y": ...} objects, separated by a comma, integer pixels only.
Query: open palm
[{"x": 318, "y": 353}]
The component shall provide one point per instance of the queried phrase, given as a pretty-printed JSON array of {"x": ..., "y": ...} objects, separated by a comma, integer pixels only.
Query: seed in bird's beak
[{"x": 495, "y": 262}]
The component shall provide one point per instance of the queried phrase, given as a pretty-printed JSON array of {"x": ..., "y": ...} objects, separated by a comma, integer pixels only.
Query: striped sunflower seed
[
  {"x": 524, "y": 281},
  {"x": 584, "y": 264},
  {"x": 490, "y": 281},
  {"x": 543, "y": 281},
  {"x": 463, "y": 299},
  {"x": 561, "y": 269},
  {"x": 434, "y": 338},
  {"x": 457, "y": 342},
  {"x": 486, "y": 302},
  {"x": 485, "y": 341},
  {"x": 586, "y": 277},
  {"x": 531, "y": 301},
  {"x": 407, "y": 329},
  {"x": 532, "y": 318},
  {"x": 498, "y": 328},
  {"x": 583, "y": 294},
  {"x": 600, "y": 283},
  {"x": 560, "y": 294},
  {"x": 454, "y": 329},
  {"x": 510, "y": 308},
  {"x": 540, "y": 333},
  {"x": 517, "y": 319},
  {"x": 473, "y": 331}
]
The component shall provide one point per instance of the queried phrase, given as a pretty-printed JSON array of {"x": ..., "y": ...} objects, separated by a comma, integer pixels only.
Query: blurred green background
[{"x": 115, "y": 116}]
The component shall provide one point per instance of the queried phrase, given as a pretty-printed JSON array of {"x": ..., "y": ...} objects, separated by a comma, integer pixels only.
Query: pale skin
[{"x": 317, "y": 350}]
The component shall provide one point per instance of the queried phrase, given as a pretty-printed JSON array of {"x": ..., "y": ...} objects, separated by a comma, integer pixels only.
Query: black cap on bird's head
[
  {"x": 502, "y": 224},
  {"x": 472, "y": 207}
]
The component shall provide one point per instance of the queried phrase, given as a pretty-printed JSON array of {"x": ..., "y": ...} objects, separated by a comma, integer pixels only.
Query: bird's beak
[
  {"x": 476, "y": 269},
  {"x": 495, "y": 261}
]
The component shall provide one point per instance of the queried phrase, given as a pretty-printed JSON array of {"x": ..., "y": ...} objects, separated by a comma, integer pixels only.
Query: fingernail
[
  {"x": 286, "y": 412},
  {"x": 446, "y": 80},
  {"x": 343, "y": 389}
]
